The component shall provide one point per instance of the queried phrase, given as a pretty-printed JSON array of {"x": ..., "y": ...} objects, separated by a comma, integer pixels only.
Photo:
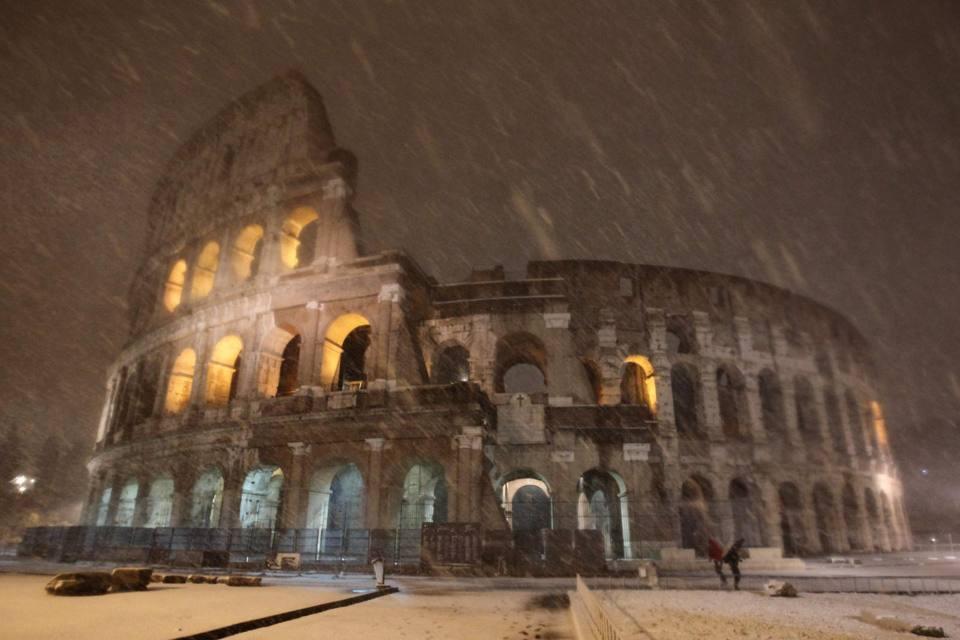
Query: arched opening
[
  {"x": 602, "y": 506},
  {"x": 245, "y": 258},
  {"x": 873, "y": 517},
  {"x": 683, "y": 383},
  {"x": 160, "y": 502},
  {"x": 205, "y": 271},
  {"x": 521, "y": 364},
  {"x": 732, "y": 401},
  {"x": 680, "y": 338},
  {"x": 792, "y": 530},
  {"x": 298, "y": 237},
  {"x": 851, "y": 517},
  {"x": 453, "y": 365},
  {"x": 823, "y": 510},
  {"x": 289, "y": 368},
  {"x": 696, "y": 523},
  {"x": 594, "y": 381},
  {"x": 424, "y": 496},
  {"x": 260, "y": 500},
  {"x": 525, "y": 500},
  {"x": 637, "y": 384},
  {"x": 279, "y": 367},
  {"x": 838, "y": 439},
  {"x": 173, "y": 287},
  {"x": 344, "y": 353},
  {"x": 888, "y": 522},
  {"x": 746, "y": 512},
  {"x": 180, "y": 384},
  {"x": 223, "y": 370},
  {"x": 207, "y": 499},
  {"x": 335, "y": 506},
  {"x": 771, "y": 401},
  {"x": 879, "y": 426},
  {"x": 127, "y": 504},
  {"x": 808, "y": 422},
  {"x": 103, "y": 508},
  {"x": 148, "y": 381},
  {"x": 854, "y": 416}
]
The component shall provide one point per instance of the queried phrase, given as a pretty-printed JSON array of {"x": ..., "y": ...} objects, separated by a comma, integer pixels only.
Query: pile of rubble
[{"x": 89, "y": 583}]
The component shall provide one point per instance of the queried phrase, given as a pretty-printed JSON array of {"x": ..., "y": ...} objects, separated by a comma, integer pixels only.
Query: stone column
[
  {"x": 709, "y": 400},
  {"x": 754, "y": 408},
  {"x": 231, "y": 496},
  {"x": 374, "y": 482},
  {"x": 467, "y": 493},
  {"x": 293, "y": 515},
  {"x": 770, "y": 499},
  {"x": 380, "y": 367}
]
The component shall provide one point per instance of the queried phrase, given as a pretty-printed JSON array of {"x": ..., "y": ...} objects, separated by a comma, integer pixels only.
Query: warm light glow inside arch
[
  {"x": 333, "y": 339},
  {"x": 649, "y": 383},
  {"x": 221, "y": 370},
  {"x": 181, "y": 382},
  {"x": 290, "y": 236},
  {"x": 245, "y": 251},
  {"x": 205, "y": 271},
  {"x": 173, "y": 288},
  {"x": 879, "y": 424}
]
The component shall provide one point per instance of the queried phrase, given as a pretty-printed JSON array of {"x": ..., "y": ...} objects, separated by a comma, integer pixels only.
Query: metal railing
[{"x": 600, "y": 625}]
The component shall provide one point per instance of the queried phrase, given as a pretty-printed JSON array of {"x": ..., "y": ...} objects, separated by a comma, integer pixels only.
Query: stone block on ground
[
  {"x": 780, "y": 589},
  {"x": 172, "y": 578},
  {"x": 195, "y": 578},
  {"x": 85, "y": 583},
  {"x": 243, "y": 581},
  {"x": 130, "y": 578}
]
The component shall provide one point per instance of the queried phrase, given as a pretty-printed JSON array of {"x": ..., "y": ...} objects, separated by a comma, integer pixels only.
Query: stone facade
[{"x": 278, "y": 376}]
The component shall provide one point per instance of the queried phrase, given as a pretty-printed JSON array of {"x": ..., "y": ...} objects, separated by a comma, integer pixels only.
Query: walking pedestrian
[
  {"x": 733, "y": 557},
  {"x": 715, "y": 551}
]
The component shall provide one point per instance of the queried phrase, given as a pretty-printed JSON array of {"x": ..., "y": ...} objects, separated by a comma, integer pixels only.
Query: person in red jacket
[{"x": 715, "y": 551}]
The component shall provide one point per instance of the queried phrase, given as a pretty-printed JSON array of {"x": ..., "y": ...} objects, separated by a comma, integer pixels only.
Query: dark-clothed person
[{"x": 732, "y": 557}]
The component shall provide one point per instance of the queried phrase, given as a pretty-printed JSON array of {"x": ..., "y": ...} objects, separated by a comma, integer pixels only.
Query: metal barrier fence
[
  {"x": 167, "y": 544},
  {"x": 600, "y": 626}
]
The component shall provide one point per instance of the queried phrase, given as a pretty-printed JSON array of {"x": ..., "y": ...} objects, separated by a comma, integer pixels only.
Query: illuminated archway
[
  {"x": 103, "y": 507},
  {"x": 245, "y": 257},
  {"x": 181, "y": 382},
  {"x": 343, "y": 358},
  {"x": 205, "y": 271},
  {"x": 127, "y": 504},
  {"x": 879, "y": 425},
  {"x": 173, "y": 288},
  {"x": 293, "y": 237},
  {"x": 160, "y": 502},
  {"x": 222, "y": 371},
  {"x": 638, "y": 386},
  {"x": 424, "y": 496},
  {"x": 603, "y": 506},
  {"x": 260, "y": 500},
  {"x": 278, "y": 373}
]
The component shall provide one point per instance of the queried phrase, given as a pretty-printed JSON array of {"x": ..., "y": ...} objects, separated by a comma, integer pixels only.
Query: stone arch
[
  {"x": 771, "y": 401},
  {"x": 160, "y": 502},
  {"x": 855, "y": 418},
  {"x": 452, "y": 364},
  {"x": 206, "y": 499},
  {"x": 127, "y": 503},
  {"x": 680, "y": 336},
  {"x": 298, "y": 237},
  {"x": 205, "y": 271},
  {"x": 530, "y": 510},
  {"x": 746, "y": 511},
  {"x": 173, "y": 286},
  {"x": 594, "y": 380},
  {"x": 637, "y": 383},
  {"x": 103, "y": 507},
  {"x": 520, "y": 364},
  {"x": 808, "y": 422},
  {"x": 873, "y": 518},
  {"x": 732, "y": 401},
  {"x": 792, "y": 529},
  {"x": 695, "y": 510},
  {"x": 887, "y": 514},
  {"x": 223, "y": 370},
  {"x": 684, "y": 383},
  {"x": 424, "y": 496},
  {"x": 336, "y": 497},
  {"x": 851, "y": 517},
  {"x": 261, "y": 497},
  {"x": 831, "y": 405},
  {"x": 180, "y": 384},
  {"x": 279, "y": 368},
  {"x": 245, "y": 256},
  {"x": 603, "y": 506},
  {"x": 824, "y": 514},
  {"x": 344, "y": 352}
]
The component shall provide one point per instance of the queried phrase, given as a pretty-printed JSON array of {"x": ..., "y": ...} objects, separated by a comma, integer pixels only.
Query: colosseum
[{"x": 284, "y": 390}]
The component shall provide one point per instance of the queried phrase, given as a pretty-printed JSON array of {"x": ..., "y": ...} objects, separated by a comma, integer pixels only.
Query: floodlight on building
[{"x": 23, "y": 483}]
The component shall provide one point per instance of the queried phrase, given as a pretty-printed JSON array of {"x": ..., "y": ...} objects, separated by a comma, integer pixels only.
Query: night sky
[{"x": 814, "y": 145}]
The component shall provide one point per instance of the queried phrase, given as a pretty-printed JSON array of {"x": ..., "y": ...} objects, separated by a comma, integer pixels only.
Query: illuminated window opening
[
  {"x": 181, "y": 382},
  {"x": 344, "y": 346},
  {"x": 879, "y": 424},
  {"x": 205, "y": 271},
  {"x": 222, "y": 371},
  {"x": 638, "y": 385},
  {"x": 245, "y": 257},
  {"x": 173, "y": 288},
  {"x": 296, "y": 248}
]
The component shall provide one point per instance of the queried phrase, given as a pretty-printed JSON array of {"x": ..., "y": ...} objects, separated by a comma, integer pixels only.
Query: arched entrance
[
  {"x": 602, "y": 506},
  {"x": 160, "y": 502},
  {"x": 851, "y": 517},
  {"x": 747, "y": 522},
  {"x": 260, "y": 500},
  {"x": 696, "y": 523},
  {"x": 424, "y": 496},
  {"x": 206, "y": 499},
  {"x": 823, "y": 509},
  {"x": 791, "y": 520}
]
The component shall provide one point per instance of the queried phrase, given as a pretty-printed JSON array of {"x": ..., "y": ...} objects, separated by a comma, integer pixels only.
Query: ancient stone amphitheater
[{"x": 280, "y": 384}]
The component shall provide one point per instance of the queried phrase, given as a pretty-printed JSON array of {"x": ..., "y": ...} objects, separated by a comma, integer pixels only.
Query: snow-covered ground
[{"x": 722, "y": 615}]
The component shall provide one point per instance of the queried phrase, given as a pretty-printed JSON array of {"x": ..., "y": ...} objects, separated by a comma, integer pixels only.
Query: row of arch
[{"x": 297, "y": 246}]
